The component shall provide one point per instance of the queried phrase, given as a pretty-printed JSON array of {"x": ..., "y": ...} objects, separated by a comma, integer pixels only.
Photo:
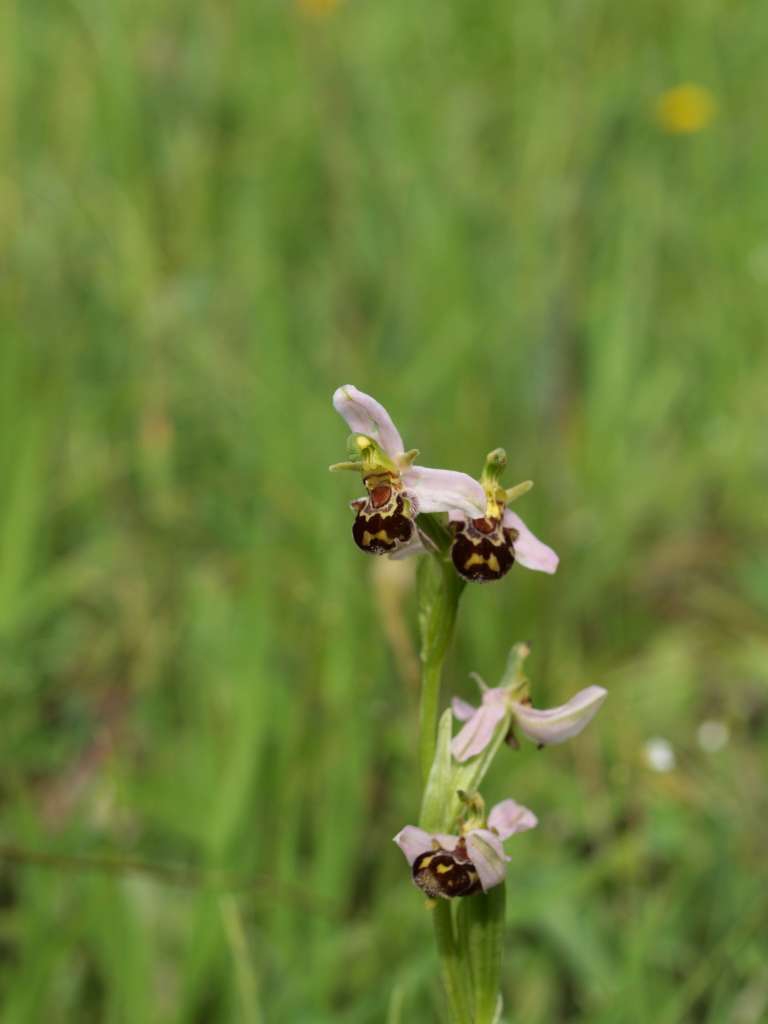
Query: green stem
[
  {"x": 440, "y": 588},
  {"x": 439, "y": 592},
  {"x": 480, "y": 926},
  {"x": 453, "y": 970},
  {"x": 428, "y": 710}
]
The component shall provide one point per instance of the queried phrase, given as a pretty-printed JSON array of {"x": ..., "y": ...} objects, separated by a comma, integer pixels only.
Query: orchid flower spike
[
  {"x": 397, "y": 490},
  {"x": 491, "y": 538},
  {"x": 450, "y": 865},
  {"x": 544, "y": 727}
]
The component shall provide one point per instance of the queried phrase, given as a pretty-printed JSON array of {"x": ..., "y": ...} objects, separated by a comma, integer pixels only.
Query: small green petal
[{"x": 513, "y": 493}]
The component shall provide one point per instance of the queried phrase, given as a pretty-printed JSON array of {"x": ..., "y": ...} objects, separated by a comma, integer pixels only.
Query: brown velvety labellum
[
  {"x": 483, "y": 550},
  {"x": 380, "y": 529},
  {"x": 445, "y": 874}
]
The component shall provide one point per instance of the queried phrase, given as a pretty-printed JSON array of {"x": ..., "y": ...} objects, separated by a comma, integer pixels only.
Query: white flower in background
[
  {"x": 450, "y": 865},
  {"x": 713, "y": 735},
  {"x": 659, "y": 754}
]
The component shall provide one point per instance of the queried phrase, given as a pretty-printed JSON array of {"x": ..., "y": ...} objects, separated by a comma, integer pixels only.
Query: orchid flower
[
  {"x": 397, "y": 489},
  {"x": 450, "y": 865},
  {"x": 488, "y": 537},
  {"x": 491, "y": 538},
  {"x": 546, "y": 728}
]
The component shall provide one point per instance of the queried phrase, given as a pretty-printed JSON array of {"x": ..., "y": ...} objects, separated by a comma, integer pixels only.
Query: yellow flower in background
[
  {"x": 317, "y": 8},
  {"x": 686, "y": 109}
]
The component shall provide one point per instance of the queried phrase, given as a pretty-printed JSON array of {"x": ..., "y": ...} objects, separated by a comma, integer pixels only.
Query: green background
[{"x": 211, "y": 215}]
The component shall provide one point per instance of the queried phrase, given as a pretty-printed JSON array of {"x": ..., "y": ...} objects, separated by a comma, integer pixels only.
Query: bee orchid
[
  {"x": 491, "y": 538},
  {"x": 397, "y": 490},
  {"x": 459, "y": 865}
]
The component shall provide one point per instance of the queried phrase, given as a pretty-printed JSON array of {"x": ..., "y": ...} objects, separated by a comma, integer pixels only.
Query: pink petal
[
  {"x": 529, "y": 550},
  {"x": 446, "y": 842},
  {"x": 413, "y": 841},
  {"x": 462, "y": 709},
  {"x": 479, "y": 730},
  {"x": 510, "y": 817},
  {"x": 556, "y": 725},
  {"x": 364, "y": 415},
  {"x": 443, "y": 490},
  {"x": 487, "y": 855}
]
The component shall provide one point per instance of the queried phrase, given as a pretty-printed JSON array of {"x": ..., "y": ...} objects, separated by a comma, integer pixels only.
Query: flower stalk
[
  {"x": 480, "y": 924},
  {"x": 439, "y": 590},
  {"x": 464, "y": 531},
  {"x": 452, "y": 962},
  {"x": 469, "y": 939}
]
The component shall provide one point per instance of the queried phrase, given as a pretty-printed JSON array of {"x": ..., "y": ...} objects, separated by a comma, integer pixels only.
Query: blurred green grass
[{"x": 212, "y": 215}]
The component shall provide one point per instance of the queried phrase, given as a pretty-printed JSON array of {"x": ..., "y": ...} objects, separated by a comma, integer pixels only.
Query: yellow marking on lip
[
  {"x": 425, "y": 863},
  {"x": 443, "y": 869},
  {"x": 475, "y": 559},
  {"x": 381, "y": 535}
]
